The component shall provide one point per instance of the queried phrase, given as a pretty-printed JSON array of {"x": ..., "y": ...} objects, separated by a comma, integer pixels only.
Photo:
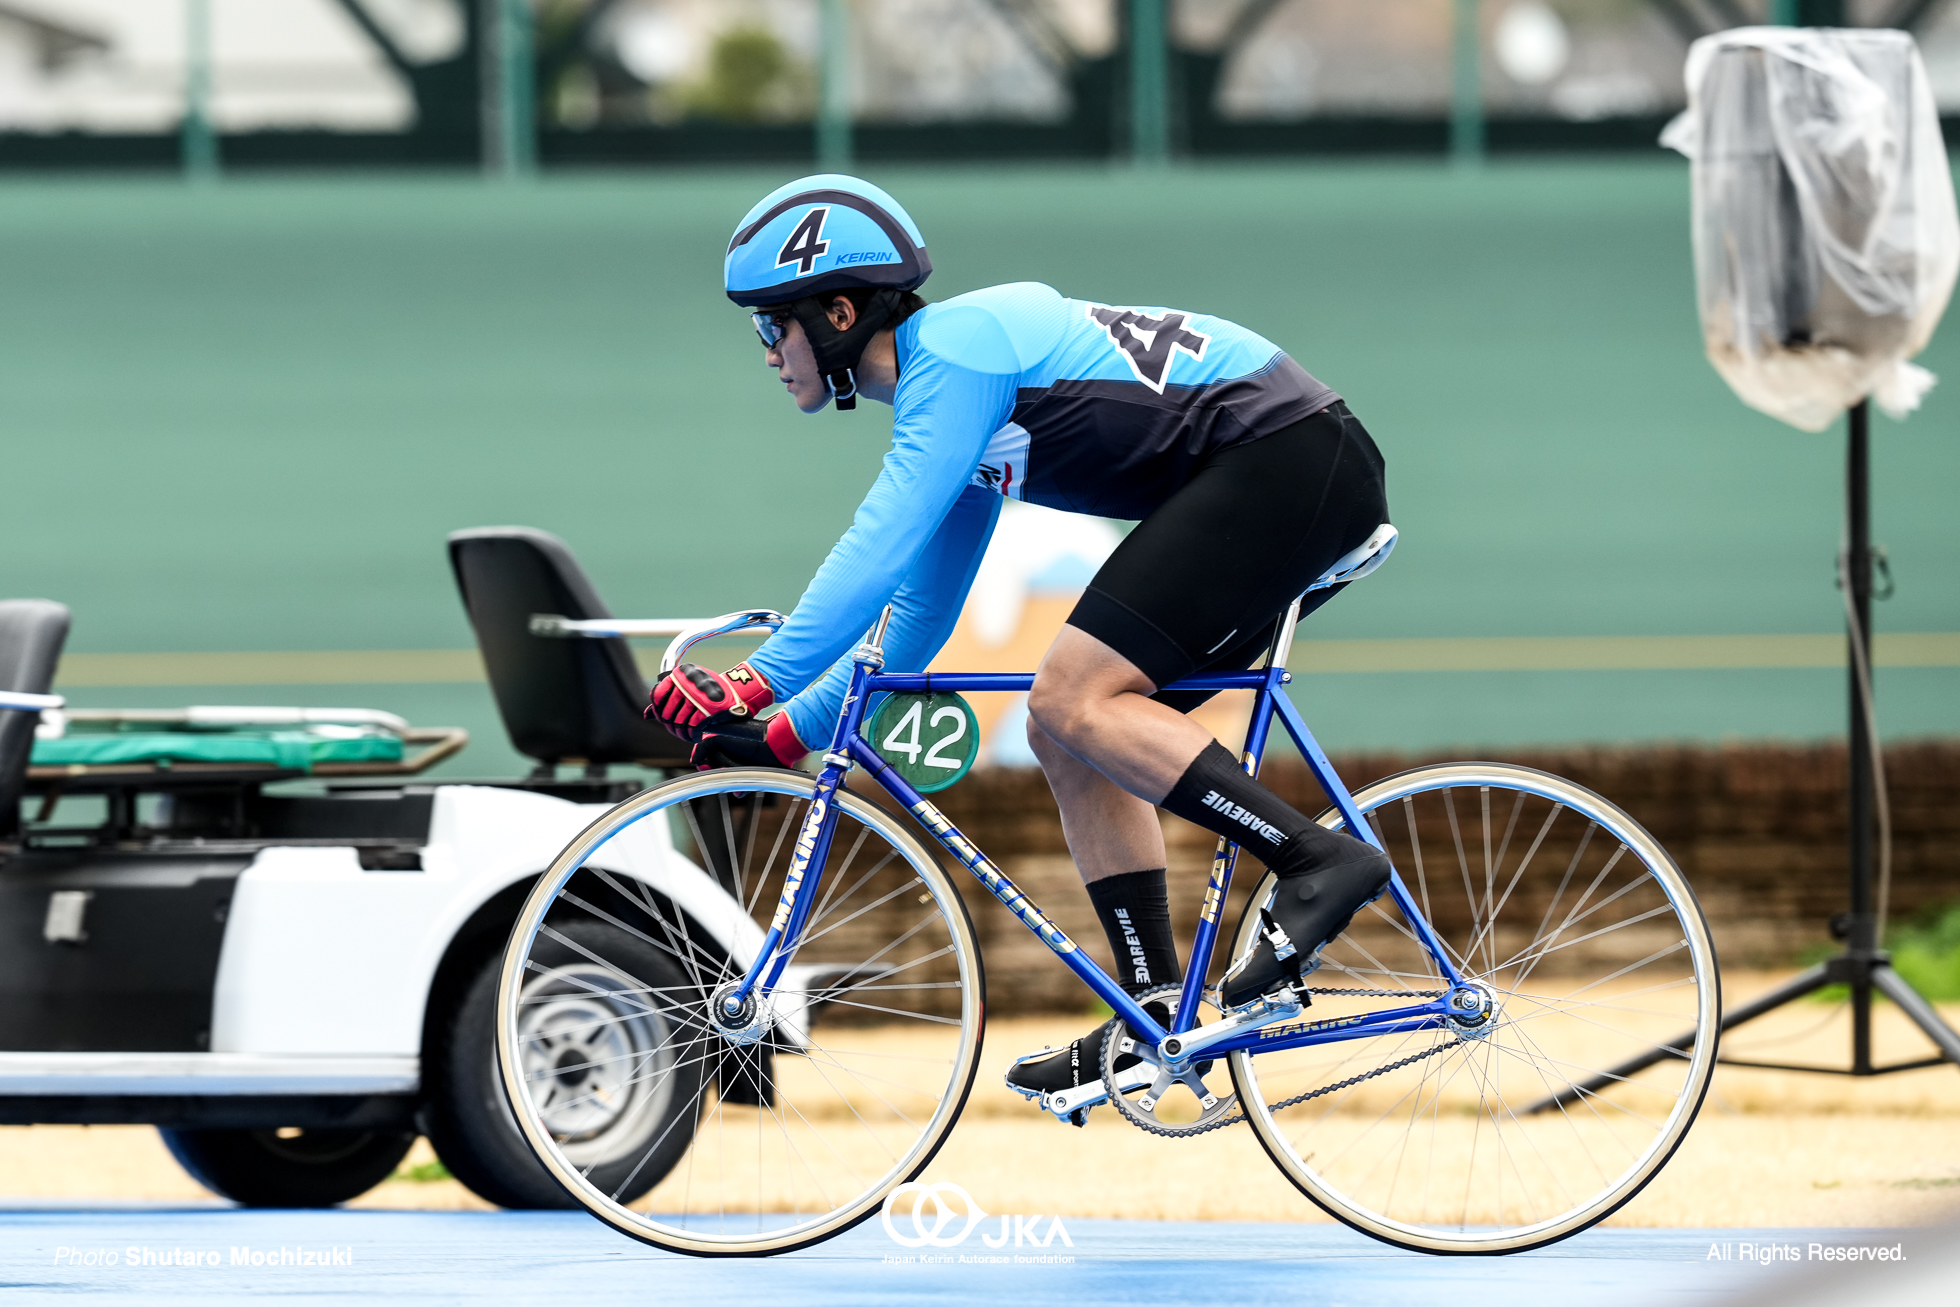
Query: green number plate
[{"x": 929, "y": 739}]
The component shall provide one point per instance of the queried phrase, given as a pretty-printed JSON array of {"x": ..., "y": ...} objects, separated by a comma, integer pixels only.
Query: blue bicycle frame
[{"x": 848, "y": 747}]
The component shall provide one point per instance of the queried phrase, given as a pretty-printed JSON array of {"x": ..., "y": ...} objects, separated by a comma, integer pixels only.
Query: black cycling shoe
[
  {"x": 1050, "y": 1070},
  {"x": 1078, "y": 1064},
  {"x": 1309, "y": 910}
]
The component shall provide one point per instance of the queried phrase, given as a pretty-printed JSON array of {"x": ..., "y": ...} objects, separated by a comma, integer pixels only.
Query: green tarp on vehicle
[{"x": 288, "y": 750}]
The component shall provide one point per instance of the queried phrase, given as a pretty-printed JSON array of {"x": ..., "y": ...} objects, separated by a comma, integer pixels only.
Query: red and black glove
[
  {"x": 749, "y": 744},
  {"x": 691, "y": 698}
]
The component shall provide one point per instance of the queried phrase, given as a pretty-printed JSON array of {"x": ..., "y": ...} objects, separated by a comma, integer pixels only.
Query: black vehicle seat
[
  {"x": 560, "y": 699},
  {"x": 32, "y": 632}
]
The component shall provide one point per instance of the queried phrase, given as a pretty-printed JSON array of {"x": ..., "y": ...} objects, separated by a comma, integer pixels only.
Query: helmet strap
[{"x": 838, "y": 352}]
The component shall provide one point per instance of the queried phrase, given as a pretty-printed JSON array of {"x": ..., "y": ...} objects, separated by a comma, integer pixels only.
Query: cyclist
[{"x": 1248, "y": 478}]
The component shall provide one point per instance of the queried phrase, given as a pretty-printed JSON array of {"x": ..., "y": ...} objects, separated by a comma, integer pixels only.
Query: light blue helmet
[{"x": 822, "y": 234}]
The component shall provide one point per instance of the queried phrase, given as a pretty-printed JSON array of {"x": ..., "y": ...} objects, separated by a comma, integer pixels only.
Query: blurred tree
[
  {"x": 576, "y": 77},
  {"x": 751, "y": 76},
  {"x": 748, "y": 75}
]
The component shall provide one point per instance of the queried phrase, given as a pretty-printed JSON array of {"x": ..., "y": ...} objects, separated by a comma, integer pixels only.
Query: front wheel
[
  {"x": 1551, "y": 1113},
  {"x": 791, "y": 1123}
]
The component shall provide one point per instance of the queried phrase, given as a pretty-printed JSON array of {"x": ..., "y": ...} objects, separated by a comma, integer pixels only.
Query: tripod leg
[
  {"x": 1804, "y": 982},
  {"x": 1790, "y": 990},
  {"x": 1923, "y": 1014}
]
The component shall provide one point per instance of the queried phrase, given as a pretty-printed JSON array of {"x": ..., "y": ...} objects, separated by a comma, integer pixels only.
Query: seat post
[{"x": 1283, "y": 636}]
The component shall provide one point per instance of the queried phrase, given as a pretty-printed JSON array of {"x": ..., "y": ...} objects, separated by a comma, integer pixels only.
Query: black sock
[
  {"x": 1215, "y": 793},
  {"x": 1135, "y": 912}
]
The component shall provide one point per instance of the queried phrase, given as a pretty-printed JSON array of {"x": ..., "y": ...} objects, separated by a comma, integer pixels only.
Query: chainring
[{"x": 1190, "y": 1089}]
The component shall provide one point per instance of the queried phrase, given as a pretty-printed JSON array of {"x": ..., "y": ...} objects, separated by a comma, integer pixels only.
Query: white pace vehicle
[{"x": 260, "y": 930}]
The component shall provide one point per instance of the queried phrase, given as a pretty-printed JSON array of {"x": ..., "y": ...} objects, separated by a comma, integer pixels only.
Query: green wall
[{"x": 242, "y": 417}]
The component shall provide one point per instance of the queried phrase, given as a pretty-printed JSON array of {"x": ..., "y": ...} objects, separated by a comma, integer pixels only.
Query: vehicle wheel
[
  {"x": 288, "y": 1168},
  {"x": 1551, "y": 1111},
  {"x": 620, "y": 1093},
  {"x": 827, "y": 1090}
]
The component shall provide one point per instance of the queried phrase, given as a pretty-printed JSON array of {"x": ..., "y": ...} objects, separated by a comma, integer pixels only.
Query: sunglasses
[{"x": 772, "y": 327}]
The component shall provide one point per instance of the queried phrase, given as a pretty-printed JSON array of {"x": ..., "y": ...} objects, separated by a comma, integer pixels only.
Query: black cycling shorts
[{"x": 1200, "y": 583}]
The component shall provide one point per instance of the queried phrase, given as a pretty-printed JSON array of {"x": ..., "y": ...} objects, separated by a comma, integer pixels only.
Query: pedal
[
  {"x": 1072, "y": 1105},
  {"x": 1295, "y": 967},
  {"x": 1275, "y": 1005}
]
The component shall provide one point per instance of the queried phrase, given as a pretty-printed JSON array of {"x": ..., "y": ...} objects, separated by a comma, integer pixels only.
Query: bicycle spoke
[
  {"x": 1524, "y": 864},
  {"x": 792, "y": 821},
  {"x": 1422, "y": 878}
]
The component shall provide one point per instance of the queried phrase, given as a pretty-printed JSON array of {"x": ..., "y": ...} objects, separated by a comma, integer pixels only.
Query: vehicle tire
[
  {"x": 1524, "y": 1126},
  {"x": 836, "y": 1081},
  {"x": 288, "y": 1168},
  {"x": 468, "y": 1115}
]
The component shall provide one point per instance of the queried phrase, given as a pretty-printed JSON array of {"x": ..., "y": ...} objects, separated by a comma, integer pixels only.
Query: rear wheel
[
  {"x": 288, "y": 1168},
  {"x": 1591, "y": 1045},
  {"x": 813, "y": 1101}
]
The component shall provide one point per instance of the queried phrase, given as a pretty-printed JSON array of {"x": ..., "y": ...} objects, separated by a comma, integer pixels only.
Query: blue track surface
[{"x": 440, "y": 1257}]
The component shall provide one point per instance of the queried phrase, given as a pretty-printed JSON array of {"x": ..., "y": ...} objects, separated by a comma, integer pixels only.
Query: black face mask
[{"x": 838, "y": 352}]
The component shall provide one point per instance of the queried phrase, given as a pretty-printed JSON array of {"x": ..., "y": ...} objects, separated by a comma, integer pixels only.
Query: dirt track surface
[{"x": 1770, "y": 1148}]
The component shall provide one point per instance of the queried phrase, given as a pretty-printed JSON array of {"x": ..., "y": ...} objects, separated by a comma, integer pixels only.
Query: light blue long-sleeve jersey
[{"x": 1017, "y": 391}]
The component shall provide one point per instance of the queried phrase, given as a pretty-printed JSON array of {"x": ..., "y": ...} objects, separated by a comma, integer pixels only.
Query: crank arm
[
  {"x": 1162, "y": 1085},
  {"x": 1177, "y": 1050},
  {"x": 1064, "y": 1103}
]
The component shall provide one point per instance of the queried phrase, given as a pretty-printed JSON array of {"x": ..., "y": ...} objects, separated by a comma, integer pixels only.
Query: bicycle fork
[{"x": 812, "y": 847}]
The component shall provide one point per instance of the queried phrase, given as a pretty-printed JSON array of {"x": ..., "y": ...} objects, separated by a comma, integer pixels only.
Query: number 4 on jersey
[{"x": 1148, "y": 343}]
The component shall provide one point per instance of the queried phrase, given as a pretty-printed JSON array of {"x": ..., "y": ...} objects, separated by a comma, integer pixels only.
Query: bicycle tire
[{"x": 1348, "y": 1158}]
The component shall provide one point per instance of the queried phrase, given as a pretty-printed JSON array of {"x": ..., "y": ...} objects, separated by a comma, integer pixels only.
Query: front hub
[{"x": 743, "y": 1022}]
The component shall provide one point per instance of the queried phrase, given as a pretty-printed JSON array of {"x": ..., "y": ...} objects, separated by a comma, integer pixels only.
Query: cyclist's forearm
[
  {"x": 882, "y": 548},
  {"x": 914, "y": 635},
  {"x": 924, "y": 609}
]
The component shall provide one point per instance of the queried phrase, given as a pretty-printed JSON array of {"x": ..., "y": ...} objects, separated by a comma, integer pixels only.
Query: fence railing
[{"x": 513, "y": 85}]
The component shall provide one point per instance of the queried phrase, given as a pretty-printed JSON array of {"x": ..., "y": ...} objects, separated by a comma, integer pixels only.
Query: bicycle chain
[
  {"x": 1352, "y": 1081},
  {"x": 1191, "y": 1132},
  {"x": 1383, "y": 993}
]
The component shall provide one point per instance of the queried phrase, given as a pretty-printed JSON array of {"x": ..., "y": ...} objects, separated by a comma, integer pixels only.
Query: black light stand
[{"x": 1863, "y": 966}]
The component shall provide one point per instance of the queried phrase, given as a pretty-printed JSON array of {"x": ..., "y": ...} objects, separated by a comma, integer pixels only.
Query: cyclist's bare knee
[
  {"x": 1063, "y": 716},
  {"x": 1053, "y": 715},
  {"x": 1061, "y": 766},
  {"x": 1043, "y": 745},
  {"x": 1076, "y": 680}
]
